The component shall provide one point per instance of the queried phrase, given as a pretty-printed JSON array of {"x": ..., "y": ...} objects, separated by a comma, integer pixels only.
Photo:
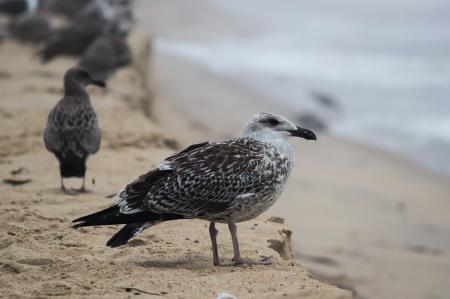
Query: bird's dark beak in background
[
  {"x": 303, "y": 133},
  {"x": 99, "y": 83}
]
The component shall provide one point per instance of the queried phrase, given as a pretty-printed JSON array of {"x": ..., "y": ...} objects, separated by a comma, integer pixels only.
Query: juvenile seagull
[
  {"x": 109, "y": 51},
  {"x": 228, "y": 182},
  {"x": 86, "y": 26},
  {"x": 106, "y": 10},
  {"x": 32, "y": 28},
  {"x": 72, "y": 132},
  {"x": 72, "y": 40}
]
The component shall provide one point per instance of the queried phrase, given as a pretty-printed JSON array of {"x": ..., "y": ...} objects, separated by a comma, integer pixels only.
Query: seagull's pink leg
[
  {"x": 237, "y": 255},
  {"x": 63, "y": 188},
  {"x": 213, "y": 234},
  {"x": 233, "y": 231},
  {"x": 83, "y": 188}
]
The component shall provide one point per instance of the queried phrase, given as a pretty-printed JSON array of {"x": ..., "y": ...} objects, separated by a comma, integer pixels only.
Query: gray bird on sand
[
  {"x": 31, "y": 28},
  {"x": 75, "y": 38},
  {"x": 227, "y": 182},
  {"x": 106, "y": 10},
  {"x": 72, "y": 132},
  {"x": 108, "y": 53},
  {"x": 72, "y": 40}
]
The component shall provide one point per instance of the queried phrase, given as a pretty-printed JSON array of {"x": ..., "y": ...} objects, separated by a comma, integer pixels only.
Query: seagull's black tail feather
[
  {"x": 72, "y": 166},
  {"x": 135, "y": 222},
  {"x": 126, "y": 233},
  {"x": 112, "y": 215},
  {"x": 105, "y": 217}
]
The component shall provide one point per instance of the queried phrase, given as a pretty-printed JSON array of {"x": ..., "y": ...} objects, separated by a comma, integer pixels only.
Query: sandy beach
[
  {"x": 42, "y": 256},
  {"x": 357, "y": 220}
]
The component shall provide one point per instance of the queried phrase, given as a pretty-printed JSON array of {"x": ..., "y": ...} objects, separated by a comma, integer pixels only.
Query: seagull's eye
[{"x": 273, "y": 121}]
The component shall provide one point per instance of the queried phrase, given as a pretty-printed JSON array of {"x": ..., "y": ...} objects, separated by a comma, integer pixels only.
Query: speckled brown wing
[
  {"x": 52, "y": 134},
  {"x": 87, "y": 129},
  {"x": 208, "y": 181},
  {"x": 72, "y": 129},
  {"x": 205, "y": 180},
  {"x": 132, "y": 198}
]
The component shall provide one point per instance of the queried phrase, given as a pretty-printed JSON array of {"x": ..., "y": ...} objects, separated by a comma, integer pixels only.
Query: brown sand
[{"x": 42, "y": 256}]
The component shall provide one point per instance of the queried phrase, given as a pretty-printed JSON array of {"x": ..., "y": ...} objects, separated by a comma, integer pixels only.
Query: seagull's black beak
[
  {"x": 303, "y": 133},
  {"x": 98, "y": 83}
]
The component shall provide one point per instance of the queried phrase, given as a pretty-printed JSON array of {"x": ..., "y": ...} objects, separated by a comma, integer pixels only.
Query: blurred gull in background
[
  {"x": 108, "y": 52},
  {"x": 87, "y": 25}
]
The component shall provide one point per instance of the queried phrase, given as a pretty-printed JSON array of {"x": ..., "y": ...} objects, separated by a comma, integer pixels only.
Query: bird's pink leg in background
[
  {"x": 213, "y": 234},
  {"x": 233, "y": 231}
]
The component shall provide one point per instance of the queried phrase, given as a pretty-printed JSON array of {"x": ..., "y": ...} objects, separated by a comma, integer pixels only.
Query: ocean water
[{"x": 387, "y": 64}]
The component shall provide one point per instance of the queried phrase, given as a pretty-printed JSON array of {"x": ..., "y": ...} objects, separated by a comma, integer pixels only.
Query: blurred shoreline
[
  {"x": 428, "y": 155},
  {"x": 249, "y": 99},
  {"x": 389, "y": 82}
]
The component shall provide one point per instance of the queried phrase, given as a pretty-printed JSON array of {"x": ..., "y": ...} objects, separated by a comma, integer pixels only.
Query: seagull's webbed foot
[
  {"x": 247, "y": 262},
  {"x": 264, "y": 261},
  {"x": 237, "y": 255},
  {"x": 83, "y": 188},
  {"x": 63, "y": 188}
]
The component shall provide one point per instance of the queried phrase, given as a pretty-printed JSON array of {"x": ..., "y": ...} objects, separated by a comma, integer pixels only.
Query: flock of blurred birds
[{"x": 94, "y": 30}]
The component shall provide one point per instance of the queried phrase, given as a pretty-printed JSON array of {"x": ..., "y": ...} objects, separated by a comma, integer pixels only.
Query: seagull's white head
[{"x": 269, "y": 126}]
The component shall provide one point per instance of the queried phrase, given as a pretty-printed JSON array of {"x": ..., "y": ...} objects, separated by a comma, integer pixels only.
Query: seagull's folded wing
[
  {"x": 203, "y": 179},
  {"x": 52, "y": 138},
  {"x": 88, "y": 133}
]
